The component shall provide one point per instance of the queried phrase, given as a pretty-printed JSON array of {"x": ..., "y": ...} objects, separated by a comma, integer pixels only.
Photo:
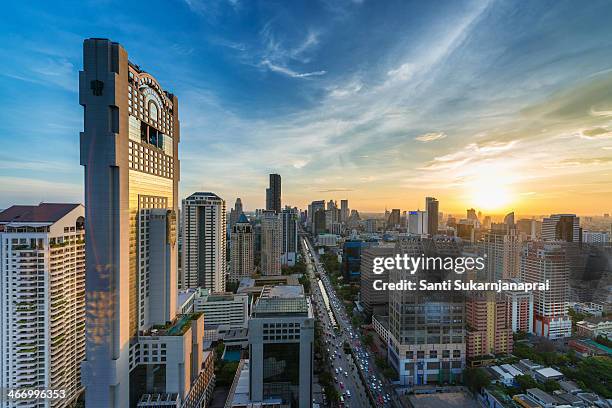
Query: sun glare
[{"x": 490, "y": 197}]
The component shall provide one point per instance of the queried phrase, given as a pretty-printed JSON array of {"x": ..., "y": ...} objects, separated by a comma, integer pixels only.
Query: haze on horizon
[{"x": 500, "y": 106}]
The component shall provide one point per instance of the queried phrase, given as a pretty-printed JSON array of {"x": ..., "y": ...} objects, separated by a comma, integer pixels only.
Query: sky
[{"x": 496, "y": 105}]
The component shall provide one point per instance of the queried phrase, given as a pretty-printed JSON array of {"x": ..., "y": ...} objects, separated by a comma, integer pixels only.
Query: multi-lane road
[{"x": 352, "y": 373}]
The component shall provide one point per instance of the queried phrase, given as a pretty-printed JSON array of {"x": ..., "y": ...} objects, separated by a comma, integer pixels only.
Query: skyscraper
[
  {"x": 42, "y": 270},
  {"x": 418, "y": 222},
  {"x": 137, "y": 346},
  {"x": 271, "y": 243},
  {"x": 344, "y": 211},
  {"x": 242, "y": 249},
  {"x": 312, "y": 209},
  {"x": 273, "y": 194},
  {"x": 503, "y": 247},
  {"x": 426, "y": 328},
  {"x": 281, "y": 337},
  {"x": 393, "y": 221},
  {"x": 561, "y": 227},
  {"x": 542, "y": 262},
  {"x": 432, "y": 208},
  {"x": 235, "y": 213},
  {"x": 319, "y": 219},
  {"x": 290, "y": 238},
  {"x": 204, "y": 242}
]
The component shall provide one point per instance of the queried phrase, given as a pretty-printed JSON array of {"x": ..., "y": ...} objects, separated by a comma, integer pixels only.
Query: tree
[
  {"x": 368, "y": 340},
  {"x": 525, "y": 382},
  {"x": 475, "y": 379},
  {"x": 551, "y": 385}
]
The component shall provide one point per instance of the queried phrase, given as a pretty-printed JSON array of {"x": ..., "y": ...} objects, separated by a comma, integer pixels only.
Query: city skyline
[{"x": 484, "y": 105}]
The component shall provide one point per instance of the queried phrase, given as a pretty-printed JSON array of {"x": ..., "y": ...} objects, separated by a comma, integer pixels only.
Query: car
[
  {"x": 341, "y": 385},
  {"x": 348, "y": 393}
]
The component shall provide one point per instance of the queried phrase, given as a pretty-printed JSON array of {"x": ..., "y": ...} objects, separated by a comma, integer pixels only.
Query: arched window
[{"x": 153, "y": 114}]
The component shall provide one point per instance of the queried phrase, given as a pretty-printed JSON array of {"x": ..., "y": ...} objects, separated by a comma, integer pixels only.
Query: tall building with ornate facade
[{"x": 137, "y": 345}]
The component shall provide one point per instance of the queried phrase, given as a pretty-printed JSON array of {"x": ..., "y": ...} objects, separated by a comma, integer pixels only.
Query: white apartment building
[
  {"x": 223, "y": 308},
  {"x": 595, "y": 237},
  {"x": 204, "y": 242},
  {"x": 42, "y": 308},
  {"x": 417, "y": 222},
  {"x": 541, "y": 262}
]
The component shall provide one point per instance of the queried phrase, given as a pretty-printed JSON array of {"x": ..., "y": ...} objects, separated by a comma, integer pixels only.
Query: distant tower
[
  {"x": 273, "y": 194},
  {"x": 290, "y": 238},
  {"x": 344, "y": 211},
  {"x": 235, "y": 213},
  {"x": 242, "y": 249},
  {"x": 432, "y": 208},
  {"x": 271, "y": 243}
]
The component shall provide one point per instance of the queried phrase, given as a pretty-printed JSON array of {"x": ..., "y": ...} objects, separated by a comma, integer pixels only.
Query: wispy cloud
[{"x": 430, "y": 137}]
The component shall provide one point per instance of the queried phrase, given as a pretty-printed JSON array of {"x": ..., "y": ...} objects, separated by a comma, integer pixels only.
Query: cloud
[
  {"x": 403, "y": 72},
  {"x": 430, "y": 137},
  {"x": 595, "y": 133},
  {"x": 289, "y": 72},
  {"x": 335, "y": 190}
]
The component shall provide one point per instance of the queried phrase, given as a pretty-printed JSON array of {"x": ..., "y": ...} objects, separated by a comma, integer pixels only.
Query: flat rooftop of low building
[
  {"x": 285, "y": 292},
  {"x": 542, "y": 395},
  {"x": 282, "y": 299},
  {"x": 548, "y": 372}
]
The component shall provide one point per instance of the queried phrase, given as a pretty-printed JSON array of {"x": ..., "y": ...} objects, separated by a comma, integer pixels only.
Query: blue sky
[{"x": 495, "y": 104}]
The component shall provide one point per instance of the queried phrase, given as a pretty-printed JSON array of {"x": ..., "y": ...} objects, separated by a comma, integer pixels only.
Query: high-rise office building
[
  {"x": 531, "y": 228},
  {"x": 488, "y": 332},
  {"x": 273, "y": 194},
  {"x": 426, "y": 328},
  {"x": 542, "y": 262},
  {"x": 271, "y": 243},
  {"x": 394, "y": 219},
  {"x": 502, "y": 246},
  {"x": 281, "y": 347},
  {"x": 235, "y": 213},
  {"x": 42, "y": 272},
  {"x": 312, "y": 209},
  {"x": 561, "y": 227},
  {"x": 432, "y": 208},
  {"x": 375, "y": 302},
  {"x": 289, "y": 218},
  {"x": 319, "y": 222},
  {"x": 344, "y": 211},
  {"x": 242, "y": 250},
  {"x": 417, "y": 222},
  {"x": 129, "y": 150},
  {"x": 204, "y": 242},
  {"x": 471, "y": 214}
]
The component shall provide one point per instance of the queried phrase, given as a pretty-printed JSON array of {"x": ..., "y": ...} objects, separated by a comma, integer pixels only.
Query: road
[{"x": 348, "y": 372}]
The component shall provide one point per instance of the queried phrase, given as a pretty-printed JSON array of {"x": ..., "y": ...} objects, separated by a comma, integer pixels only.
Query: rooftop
[
  {"x": 549, "y": 372},
  {"x": 178, "y": 327},
  {"x": 44, "y": 213},
  {"x": 284, "y": 299}
]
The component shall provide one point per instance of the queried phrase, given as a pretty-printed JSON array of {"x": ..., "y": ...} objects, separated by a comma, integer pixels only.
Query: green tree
[
  {"x": 525, "y": 382},
  {"x": 475, "y": 379}
]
